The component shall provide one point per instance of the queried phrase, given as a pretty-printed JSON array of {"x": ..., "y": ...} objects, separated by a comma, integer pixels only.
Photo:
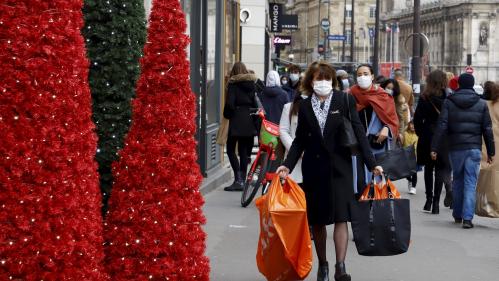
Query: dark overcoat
[
  {"x": 240, "y": 102},
  {"x": 425, "y": 123},
  {"x": 326, "y": 165}
]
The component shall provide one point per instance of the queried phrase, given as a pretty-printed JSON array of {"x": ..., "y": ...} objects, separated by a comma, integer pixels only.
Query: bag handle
[
  {"x": 385, "y": 182},
  {"x": 434, "y": 107},
  {"x": 348, "y": 106}
]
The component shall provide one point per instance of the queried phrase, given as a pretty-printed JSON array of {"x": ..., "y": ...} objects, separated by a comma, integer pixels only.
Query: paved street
[{"x": 440, "y": 250}]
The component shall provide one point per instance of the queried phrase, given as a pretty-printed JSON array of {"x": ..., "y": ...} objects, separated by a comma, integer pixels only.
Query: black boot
[
  {"x": 427, "y": 205},
  {"x": 448, "y": 199},
  {"x": 436, "y": 198},
  {"x": 341, "y": 272},
  {"x": 435, "y": 208},
  {"x": 323, "y": 272},
  {"x": 238, "y": 184}
]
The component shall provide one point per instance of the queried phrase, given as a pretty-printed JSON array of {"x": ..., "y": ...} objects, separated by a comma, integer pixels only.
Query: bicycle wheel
[{"x": 254, "y": 180}]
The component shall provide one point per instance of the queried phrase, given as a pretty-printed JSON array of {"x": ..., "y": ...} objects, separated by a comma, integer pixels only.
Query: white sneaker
[{"x": 412, "y": 190}]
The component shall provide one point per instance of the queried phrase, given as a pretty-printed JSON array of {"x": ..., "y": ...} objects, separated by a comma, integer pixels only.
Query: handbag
[
  {"x": 381, "y": 227},
  {"x": 373, "y": 142},
  {"x": 223, "y": 132},
  {"x": 348, "y": 138},
  {"x": 398, "y": 163}
]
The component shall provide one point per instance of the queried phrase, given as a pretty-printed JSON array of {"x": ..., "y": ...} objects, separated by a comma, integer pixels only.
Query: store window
[
  {"x": 231, "y": 34},
  {"x": 349, "y": 11},
  {"x": 212, "y": 97},
  {"x": 186, "y": 7},
  {"x": 349, "y": 36},
  {"x": 372, "y": 11}
]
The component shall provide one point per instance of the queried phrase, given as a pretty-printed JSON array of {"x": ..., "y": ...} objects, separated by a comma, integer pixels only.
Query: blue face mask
[{"x": 346, "y": 83}]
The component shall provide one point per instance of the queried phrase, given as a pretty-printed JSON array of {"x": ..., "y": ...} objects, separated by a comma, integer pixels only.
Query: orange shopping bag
[
  {"x": 284, "y": 248},
  {"x": 382, "y": 190}
]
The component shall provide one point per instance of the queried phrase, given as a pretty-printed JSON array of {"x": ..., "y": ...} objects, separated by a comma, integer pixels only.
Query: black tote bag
[
  {"x": 398, "y": 163},
  {"x": 381, "y": 227}
]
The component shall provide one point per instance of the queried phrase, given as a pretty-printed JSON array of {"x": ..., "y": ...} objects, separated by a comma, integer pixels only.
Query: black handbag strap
[
  {"x": 392, "y": 225},
  {"x": 347, "y": 107}
]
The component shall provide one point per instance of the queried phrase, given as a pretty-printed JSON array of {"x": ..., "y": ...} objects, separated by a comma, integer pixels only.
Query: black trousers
[
  {"x": 244, "y": 147},
  {"x": 413, "y": 179},
  {"x": 442, "y": 176}
]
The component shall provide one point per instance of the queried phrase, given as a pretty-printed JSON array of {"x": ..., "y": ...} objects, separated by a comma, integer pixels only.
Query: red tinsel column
[
  {"x": 50, "y": 222},
  {"x": 154, "y": 225}
]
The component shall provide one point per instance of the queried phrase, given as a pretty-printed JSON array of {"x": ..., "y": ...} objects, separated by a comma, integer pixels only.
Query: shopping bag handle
[
  {"x": 385, "y": 182},
  {"x": 283, "y": 181}
]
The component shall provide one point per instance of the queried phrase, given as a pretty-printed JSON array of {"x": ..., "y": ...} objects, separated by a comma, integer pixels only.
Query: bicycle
[{"x": 259, "y": 173}]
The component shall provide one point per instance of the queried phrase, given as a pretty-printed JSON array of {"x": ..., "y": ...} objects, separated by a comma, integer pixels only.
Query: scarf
[
  {"x": 321, "y": 111},
  {"x": 382, "y": 104}
]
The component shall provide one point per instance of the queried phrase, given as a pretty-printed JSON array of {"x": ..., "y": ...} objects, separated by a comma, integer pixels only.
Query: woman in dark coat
[
  {"x": 327, "y": 166},
  {"x": 242, "y": 130},
  {"x": 425, "y": 122}
]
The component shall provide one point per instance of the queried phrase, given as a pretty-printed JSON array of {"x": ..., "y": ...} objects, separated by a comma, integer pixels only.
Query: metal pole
[
  {"x": 318, "y": 25},
  {"x": 306, "y": 32},
  {"x": 352, "y": 32},
  {"x": 376, "y": 40},
  {"x": 344, "y": 30},
  {"x": 416, "y": 63},
  {"x": 329, "y": 29},
  {"x": 392, "y": 56}
]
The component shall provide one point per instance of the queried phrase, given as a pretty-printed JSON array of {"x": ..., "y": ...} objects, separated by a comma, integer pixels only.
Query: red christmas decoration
[
  {"x": 51, "y": 227},
  {"x": 154, "y": 225}
]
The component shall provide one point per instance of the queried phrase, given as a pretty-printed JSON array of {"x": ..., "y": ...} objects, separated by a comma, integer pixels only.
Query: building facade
[
  {"x": 459, "y": 33},
  {"x": 310, "y": 34}
]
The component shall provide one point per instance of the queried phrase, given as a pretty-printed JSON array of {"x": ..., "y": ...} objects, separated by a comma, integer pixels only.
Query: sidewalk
[{"x": 440, "y": 250}]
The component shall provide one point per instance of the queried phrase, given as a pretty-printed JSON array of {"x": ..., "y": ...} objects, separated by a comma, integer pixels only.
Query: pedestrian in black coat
[
  {"x": 425, "y": 123},
  {"x": 242, "y": 130},
  {"x": 326, "y": 165}
]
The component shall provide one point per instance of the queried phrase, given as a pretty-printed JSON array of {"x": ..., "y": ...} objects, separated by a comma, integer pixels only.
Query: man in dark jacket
[{"x": 464, "y": 120}]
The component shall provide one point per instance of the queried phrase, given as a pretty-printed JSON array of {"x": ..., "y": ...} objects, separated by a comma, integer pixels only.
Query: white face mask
[
  {"x": 364, "y": 81},
  {"x": 294, "y": 77},
  {"x": 323, "y": 87},
  {"x": 284, "y": 82},
  {"x": 304, "y": 97},
  {"x": 389, "y": 91},
  {"x": 346, "y": 83}
]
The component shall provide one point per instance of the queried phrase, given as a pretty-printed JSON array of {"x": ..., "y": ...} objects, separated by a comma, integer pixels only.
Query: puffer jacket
[{"x": 464, "y": 120}]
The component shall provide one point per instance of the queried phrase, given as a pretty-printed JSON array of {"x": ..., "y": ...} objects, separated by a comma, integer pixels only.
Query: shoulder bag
[{"x": 348, "y": 138}]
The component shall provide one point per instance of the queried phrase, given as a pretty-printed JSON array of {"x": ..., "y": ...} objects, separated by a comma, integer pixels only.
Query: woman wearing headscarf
[{"x": 273, "y": 97}]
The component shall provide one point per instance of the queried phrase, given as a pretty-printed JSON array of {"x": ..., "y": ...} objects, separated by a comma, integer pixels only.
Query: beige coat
[
  {"x": 488, "y": 181},
  {"x": 407, "y": 93}
]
